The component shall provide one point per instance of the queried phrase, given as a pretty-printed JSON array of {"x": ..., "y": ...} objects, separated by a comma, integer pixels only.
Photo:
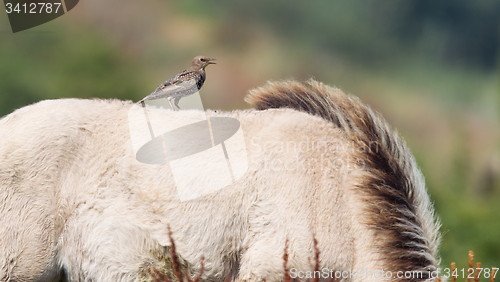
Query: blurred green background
[{"x": 432, "y": 68}]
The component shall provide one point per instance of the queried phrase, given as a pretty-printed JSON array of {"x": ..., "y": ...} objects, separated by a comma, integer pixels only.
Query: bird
[{"x": 182, "y": 84}]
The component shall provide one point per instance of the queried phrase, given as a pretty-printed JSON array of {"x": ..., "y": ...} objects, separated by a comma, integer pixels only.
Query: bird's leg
[
  {"x": 172, "y": 107},
  {"x": 176, "y": 102}
]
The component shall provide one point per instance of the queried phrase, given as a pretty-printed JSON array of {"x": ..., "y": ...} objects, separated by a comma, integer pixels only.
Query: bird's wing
[
  {"x": 183, "y": 84},
  {"x": 175, "y": 89},
  {"x": 183, "y": 79},
  {"x": 177, "y": 85}
]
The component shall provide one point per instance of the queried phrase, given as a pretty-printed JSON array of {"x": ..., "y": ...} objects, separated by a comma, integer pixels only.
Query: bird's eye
[{"x": 202, "y": 59}]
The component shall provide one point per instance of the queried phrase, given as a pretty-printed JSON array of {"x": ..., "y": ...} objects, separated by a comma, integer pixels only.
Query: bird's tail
[{"x": 395, "y": 199}]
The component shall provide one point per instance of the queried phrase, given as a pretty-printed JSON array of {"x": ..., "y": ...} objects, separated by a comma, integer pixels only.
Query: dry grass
[
  {"x": 180, "y": 274},
  {"x": 473, "y": 274}
]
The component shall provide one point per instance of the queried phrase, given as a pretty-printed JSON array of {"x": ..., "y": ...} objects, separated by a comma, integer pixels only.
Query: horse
[{"x": 322, "y": 169}]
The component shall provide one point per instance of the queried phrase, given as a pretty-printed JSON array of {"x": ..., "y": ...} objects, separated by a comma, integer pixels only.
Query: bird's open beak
[{"x": 210, "y": 61}]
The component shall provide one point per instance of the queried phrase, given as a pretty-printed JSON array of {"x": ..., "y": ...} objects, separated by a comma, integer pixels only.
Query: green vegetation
[{"x": 54, "y": 64}]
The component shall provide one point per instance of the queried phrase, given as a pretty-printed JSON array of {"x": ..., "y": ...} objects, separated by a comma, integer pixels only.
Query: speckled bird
[{"x": 183, "y": 84}]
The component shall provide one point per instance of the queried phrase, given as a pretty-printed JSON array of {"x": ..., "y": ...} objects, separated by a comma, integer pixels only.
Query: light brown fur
[{"x": 73, "y": 196}]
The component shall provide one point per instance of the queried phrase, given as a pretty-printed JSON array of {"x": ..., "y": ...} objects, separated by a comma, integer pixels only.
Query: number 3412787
[
  {"x": 33, "y": 8},
  {"x": 471, "y": 272}
]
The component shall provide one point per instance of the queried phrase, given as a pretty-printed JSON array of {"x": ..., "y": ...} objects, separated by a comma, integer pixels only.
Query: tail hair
[{"x": 395, "y": 198}]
